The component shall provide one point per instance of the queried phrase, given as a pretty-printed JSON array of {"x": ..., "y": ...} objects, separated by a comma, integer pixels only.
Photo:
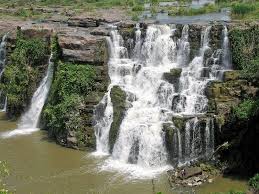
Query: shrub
[
  {"x": 138, "y": 8},
  {"x": 246, "y": 109},
  {"x": 242, "y": 8},
  {"x": 254, "y": 182},
  {"x": 20, "y": 78},
  {"x": 62, "y": 113},
  {"x": 3, "y": 173},
  {"x": 245, "y": 49}
]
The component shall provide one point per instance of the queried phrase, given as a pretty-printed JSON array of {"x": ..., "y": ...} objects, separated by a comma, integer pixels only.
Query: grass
[
  {"x": 241, "y": 10},
  {"x": 248, "y": 10}
]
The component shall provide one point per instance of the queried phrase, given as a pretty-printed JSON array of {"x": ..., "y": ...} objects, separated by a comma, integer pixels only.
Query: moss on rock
[
  {"x": 173, "y": 77},
  {"x": 118, "y": 98}
]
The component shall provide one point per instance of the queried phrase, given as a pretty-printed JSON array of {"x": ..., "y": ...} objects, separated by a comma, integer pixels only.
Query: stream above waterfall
[{"x": 46, "y": 167}]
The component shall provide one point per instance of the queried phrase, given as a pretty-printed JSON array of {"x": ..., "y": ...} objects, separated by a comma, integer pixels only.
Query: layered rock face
[
  {"x": 235, "y": 138},
  {"x": 80, "y": 47}
]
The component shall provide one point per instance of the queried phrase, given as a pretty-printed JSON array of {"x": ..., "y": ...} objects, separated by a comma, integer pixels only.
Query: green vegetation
[
  {"x": 254, "y": 182},
  {"x": 71, "y": 86},
  {"x": 245, "y": 10},
  {"x": 245, "y": 50},
  {"x": 194, "y": 11},
  {"x": 232, "y": 192},
  {"x": 241, "y": 9},
  {"x": 20, "y": 78},
  {"x": 3, "y": 173},
  {"x": 25, "y": 8},
  {"x": 247, "y": 109}
]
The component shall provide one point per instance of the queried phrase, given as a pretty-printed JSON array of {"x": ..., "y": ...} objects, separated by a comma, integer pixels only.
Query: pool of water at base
[{"x": 40, "y": 166}]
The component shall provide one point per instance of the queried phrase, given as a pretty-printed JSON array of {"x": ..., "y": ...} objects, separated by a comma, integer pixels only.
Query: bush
[
  {"x": 246, "y": 109},
  {"x": 3, "y": 173},
  {"x": 138, "y": 8},
  {"x": 62, "y": 112},
  {"x": 232, "y": 192},
  {"x": 242, "y": 8},
  {"x": 254, "y": 182},
  {"x": 20, "y": 78},
  {"x": 245, "y": 49}
]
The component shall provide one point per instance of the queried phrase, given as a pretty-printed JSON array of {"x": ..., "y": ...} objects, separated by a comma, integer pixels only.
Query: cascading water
[
  {"x": 2, "y": 67},
  {"x": 140, "y": 145},
  {"x": 3, "y": 53},
  {"x": 227, "y": 64},
  {"x": 29, "y": 121}
]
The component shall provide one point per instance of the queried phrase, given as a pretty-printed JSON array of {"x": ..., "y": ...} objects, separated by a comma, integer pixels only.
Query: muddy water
[{"x": 39, "y": 166}]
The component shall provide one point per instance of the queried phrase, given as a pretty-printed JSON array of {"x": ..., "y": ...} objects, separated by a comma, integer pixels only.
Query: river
[{"x": 40, "y": 166}]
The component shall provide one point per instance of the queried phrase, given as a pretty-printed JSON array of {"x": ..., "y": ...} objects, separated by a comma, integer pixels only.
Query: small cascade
[
  {"x": 5, "y": 105},
  {"x": 2, "y": 67},
  {"x": 226, "y": 58},
  {"x": 140, "y": 147},
  {"x": 192, "y": 84},
  {"x": 184, "y": 47},
  {"x": 103, "y": 120},
  {"x": 220, "y": 61},
  {"x": 2, "y": 54},
  {"x": 30, "y": 119}
]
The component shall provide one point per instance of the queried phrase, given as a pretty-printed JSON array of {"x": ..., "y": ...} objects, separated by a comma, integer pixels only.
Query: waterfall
[
  {"x": 103, "y": 120},
  {"x": 30, "y": 119},
  {"x": 140, "y": 145},
  {"x": 2, "y": 67},
  {"x": 226, "y": 51},
  {"x": 3, "y": 53}
]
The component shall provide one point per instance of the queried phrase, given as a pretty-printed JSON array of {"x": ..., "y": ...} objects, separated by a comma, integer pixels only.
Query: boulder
[
  {"x": 100, "y": 31},
  {"x": 85, "y": 22},
  {"x": 84, "y": 49},
  {"x": 191, "y": 172},
  {"x": 173, "y": 77},
  {"x": 230, "y": 75},
  {"x": 118, "y": 98}
]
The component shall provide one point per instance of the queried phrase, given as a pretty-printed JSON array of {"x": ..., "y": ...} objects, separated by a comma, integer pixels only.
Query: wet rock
[
  {"x": 205, "y": 72},
  {"x": 118, "y": 98},
  {"x": 180, "y": 122},
  {"x": 178, "y": 103},
  {"x": 188, "y": 176},
  {"x": 170, "y": 142},
  {"x": 72, "y": 142},
  {"x": 191, "y": 172},
  {"x": 173, "y": 77},
  {"x": 230, "y": 75}
]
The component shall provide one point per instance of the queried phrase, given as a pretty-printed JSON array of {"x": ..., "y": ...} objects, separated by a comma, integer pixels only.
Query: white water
[
  {"x": 140, "y": 149},
  {"x": 226, "y": 50},
  {"x": 30, "y": 119},
  {"x": 2, "y": 66}
]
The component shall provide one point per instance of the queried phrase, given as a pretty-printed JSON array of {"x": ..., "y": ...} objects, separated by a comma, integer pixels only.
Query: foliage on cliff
[
  {"x": 21, "y": 76},
  {"x": 247, "y": 109},
  {"x": 254, "y": 182},
  {"x": 245, "y": 50},
  {"x": 63, "y": 114}
]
